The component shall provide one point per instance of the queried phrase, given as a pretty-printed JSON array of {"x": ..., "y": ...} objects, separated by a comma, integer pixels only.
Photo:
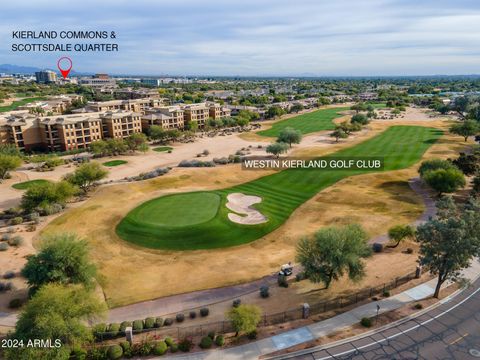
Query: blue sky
[{"x": 259, "y": 37}]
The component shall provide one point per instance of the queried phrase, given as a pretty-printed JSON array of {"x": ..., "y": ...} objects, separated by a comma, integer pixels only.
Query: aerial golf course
[{"x": 199, "y": 220}]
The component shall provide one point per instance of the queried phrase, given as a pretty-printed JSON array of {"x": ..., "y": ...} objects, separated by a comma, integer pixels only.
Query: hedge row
[{"x": 109, "y": 331}]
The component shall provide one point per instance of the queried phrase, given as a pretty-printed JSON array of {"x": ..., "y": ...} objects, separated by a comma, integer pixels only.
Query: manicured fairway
[
  {"x": 18, "y": 103},
  {"x": 282, "y": 193},
  {"x": 27, "y": 184},
  {"x": 162, "y": 148},
  {"x": 307, "y": 123},
  {"x": 114, "y": 163}
]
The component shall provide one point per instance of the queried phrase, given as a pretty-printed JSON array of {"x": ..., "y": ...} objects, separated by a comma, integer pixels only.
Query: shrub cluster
[
  {"x": 15, "y": 303},
  {"x": 377, "y": 247},
  {"x": 108, "y": 331},
  {"x": 366, "y": 322},
  {"x": 5, "y": 286},
  {"x": 9, "y": 275},
  {"x": 15, "y": 241},
  {"x": 17, "y": 220},
  {"x": 152, "y": 174},
  {"x": 185, "y": 345},
  {"x": 196, "y": 163},
  {"x": 264, "y": 291},
  {"x": 282, "y": 281},
  {"x": 206, "y": 342}
]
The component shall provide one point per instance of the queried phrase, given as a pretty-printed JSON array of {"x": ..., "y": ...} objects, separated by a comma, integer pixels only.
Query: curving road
[{"x": 449, "y": 331}]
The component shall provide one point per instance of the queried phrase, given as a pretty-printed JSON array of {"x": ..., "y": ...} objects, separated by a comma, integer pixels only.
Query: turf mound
[
  {"x": 28, "y": 184},
  {"x": 176, "y": 210}
]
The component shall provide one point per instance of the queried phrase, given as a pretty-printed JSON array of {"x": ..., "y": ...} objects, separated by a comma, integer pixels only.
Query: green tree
[
  {"x": 242, "y": 121},
  {"x": 56, "y": 312},
  {"x": 476, "y": 185},
  {"x": 398, "y": 233},
  {"x": 322, "y": 101},
  {"x": 250, "y": 115},
  {"x": 339, "y": 133},
  {"x": 173, "y": 134},
  {"x": 144, "y": 148},
  {"x": 86, "y": 175},
  {"x": 296, "y": 108},
  {"x": 40, "y": 196},
  {"x": 359, "y": 119},
  {"x": 116, "y": 146},
  {"x": 445, "y": 181},
  {"x": 449, "y": 241},
  {"x": 348, "y": 128},
  {"x": 244, "y": 318},
  {"x": 192, "y": 126},
  {"x": 290, "y": 136},
  {"x": 434, "y": 164},
  {"x": 274, "y": 111},
  {"x": 99, "y": 148},
  {"x": 63, "y": 258},
  {"x": 277, "y": 148},
  {"x": 156, "y": 133},
  {"x": 359, "y": 107},
  {"x": 332, "y": 252},
  {"x": 10, "y": 149},
  {"x": 133, "y": 141},
  {"x": 466, "y": 129},
  {"x": 468, "y": 163},
  {"x": 8, "y": 163}
]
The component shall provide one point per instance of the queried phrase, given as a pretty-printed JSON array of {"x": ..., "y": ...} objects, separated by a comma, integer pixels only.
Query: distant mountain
[{"x": 16, "y": 69}]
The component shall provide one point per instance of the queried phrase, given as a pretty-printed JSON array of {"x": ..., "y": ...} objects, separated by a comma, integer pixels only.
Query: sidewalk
[{"x": 325, "y": 327}]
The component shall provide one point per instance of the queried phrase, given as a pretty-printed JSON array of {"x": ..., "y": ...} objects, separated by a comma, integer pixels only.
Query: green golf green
[
  {"x": 28, "y": 184},
  {"x": 114, "y": 163},
  {"x": 177, "y": 210},
  {"x": 281, "y": 193},
  {"x": 162, "y": 148}
]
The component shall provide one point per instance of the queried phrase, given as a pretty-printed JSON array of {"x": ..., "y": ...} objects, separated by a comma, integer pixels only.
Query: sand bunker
[{"x": 240, "y": 203}]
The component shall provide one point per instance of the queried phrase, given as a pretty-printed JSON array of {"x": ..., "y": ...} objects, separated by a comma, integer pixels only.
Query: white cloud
[{"x": 262, "y": 37}]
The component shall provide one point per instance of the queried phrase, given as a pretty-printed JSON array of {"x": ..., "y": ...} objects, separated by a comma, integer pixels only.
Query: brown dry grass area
[{"x": 130, "y": 274}]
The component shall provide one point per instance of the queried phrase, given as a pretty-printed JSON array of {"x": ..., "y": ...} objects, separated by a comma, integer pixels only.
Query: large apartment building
[
  {"x": 45, "y": 77},
  {"x": 217, "y": 111},
  {"x": 198, "y": 113},
  {"x": 178, "y": 116},
  {"x": 168, "y": 117},
  {"x": 67, "y": 132},
  {"x": 120, "y": 124},
  {"x": 98, "y": 120},
  {"x": 137, "y": 105}
]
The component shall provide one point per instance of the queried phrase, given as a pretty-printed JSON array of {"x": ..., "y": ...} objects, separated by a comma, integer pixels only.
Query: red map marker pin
[{"x": 64, "y": 71}]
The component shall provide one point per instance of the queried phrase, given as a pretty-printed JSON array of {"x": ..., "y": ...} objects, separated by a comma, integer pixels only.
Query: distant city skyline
[{"x": 258, "y": 38}]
